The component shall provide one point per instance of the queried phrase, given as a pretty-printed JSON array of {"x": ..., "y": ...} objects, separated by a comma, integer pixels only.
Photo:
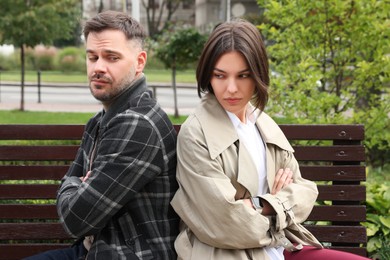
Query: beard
[{"x": 105, "y": 93}]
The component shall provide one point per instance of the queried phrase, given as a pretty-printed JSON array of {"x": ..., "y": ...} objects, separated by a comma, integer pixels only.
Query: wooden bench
[{"x": 331, "y": 155}]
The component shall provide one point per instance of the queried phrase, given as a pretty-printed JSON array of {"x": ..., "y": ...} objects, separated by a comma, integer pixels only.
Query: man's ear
[{"x": 141, "y": 59}]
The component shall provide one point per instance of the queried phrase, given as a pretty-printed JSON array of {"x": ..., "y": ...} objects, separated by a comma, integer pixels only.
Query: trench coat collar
[
  {"x": 217, "y": 127},
  {"x": 220, "y": 133}
]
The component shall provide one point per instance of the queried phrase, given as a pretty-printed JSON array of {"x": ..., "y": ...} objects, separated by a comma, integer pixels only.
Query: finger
[
  {"x": 278, "y": 185},
  {"x": 276, "y": 181}
]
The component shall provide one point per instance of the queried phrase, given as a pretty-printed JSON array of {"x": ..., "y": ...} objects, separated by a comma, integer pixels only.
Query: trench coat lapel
[
  {"x": 220, "y": 134},
  {"x": 271, "y": 134}
]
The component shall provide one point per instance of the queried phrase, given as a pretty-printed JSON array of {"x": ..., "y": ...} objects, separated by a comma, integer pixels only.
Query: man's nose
[{"x": 100, "y": 66}]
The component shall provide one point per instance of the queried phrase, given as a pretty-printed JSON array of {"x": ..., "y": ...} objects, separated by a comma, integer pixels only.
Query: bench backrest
[{"x": 33, "y": 158}]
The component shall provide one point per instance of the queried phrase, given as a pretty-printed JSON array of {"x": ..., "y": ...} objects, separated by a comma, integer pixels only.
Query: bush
[
  {"x": 43, "y": 57},
  {"x": 378, "y": 212},
  {"x": 71, "y": 59},
  {"x": 8, "y": 62}
]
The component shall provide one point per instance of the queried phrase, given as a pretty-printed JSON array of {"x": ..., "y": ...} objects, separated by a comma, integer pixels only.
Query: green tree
[
  {"x": 26, "y": 23},
  {"x": 331, "y": 64},
  {"x": 159, "y": 14},
  {"x": 177, "y": 50}
]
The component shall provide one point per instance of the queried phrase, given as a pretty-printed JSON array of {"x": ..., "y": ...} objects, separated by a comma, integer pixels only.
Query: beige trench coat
[{"x": 215, "y": 172}]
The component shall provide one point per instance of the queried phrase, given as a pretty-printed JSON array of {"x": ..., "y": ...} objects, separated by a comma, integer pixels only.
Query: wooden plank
[
  {"x": 339, "y": 234},
  {"x": 33, "y": 172},
  {"x": 41, "y": 132},
  {"x": 30, "y": 211},
  {"x": 32, "y": 231},
  {"x": 74, "y": 132},
  {"x": 338, "y": 213},
  {"x": 335, "y": 153},
  {"x": 323, "y": 132},
  {"x": 38, "y": 153},
  {"x": 342, "y": 192},
  {"x": 20, "y": 251},
  {"x": 28, "y": 191},
  {"x": 334, "y": 172}
]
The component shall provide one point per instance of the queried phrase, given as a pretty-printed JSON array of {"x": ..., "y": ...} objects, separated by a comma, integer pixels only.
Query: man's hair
[
  {"x": 112, "y": 20},
  {"x": 241, "y": 36}
]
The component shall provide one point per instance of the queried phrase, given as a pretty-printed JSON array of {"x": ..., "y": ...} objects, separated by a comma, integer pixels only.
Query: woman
[{"x": 241, "y": 194}]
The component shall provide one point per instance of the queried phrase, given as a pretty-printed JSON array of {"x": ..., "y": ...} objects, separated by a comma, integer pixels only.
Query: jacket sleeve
[
  {"x": 128, "y": 157},
  {"x": 293, "y": 203},
  {"x": 206, "y": 200}
]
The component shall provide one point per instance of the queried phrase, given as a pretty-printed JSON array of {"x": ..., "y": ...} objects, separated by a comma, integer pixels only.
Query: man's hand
[
  {"x": 282, "y": 179},
  {"x": 83, "y": 179}
]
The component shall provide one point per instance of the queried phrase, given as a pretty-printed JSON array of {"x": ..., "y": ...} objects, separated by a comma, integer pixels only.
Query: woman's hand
[{"x": 282, "y": 179}]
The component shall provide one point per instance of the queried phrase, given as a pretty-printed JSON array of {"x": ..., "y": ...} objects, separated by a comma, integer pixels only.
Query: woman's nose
[{"x": 232, "y": 86}]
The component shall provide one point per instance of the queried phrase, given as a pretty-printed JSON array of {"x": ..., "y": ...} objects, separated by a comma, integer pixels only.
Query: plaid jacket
[{"x": 125, "y": 204}]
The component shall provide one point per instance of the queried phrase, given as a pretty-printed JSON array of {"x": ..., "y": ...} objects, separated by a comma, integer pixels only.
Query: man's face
[{"x": 113, "y": 62}]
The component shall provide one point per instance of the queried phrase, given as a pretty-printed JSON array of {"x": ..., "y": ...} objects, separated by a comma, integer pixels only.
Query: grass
[
  {"x": 35, "y": 117},
  {"x": 152, "y": 75}
]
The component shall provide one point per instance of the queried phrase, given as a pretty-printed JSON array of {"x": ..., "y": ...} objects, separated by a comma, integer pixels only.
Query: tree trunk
[
  {"x": 174, "y": 89},
  {"x": 22, "y": 78}
]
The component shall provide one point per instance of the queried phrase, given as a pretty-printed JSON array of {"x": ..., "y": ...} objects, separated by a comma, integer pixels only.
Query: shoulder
[{"x": 271, "y": 132}]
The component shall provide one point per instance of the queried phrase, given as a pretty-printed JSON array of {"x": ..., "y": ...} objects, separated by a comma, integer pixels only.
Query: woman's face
[{"x": 232, "y": 83}]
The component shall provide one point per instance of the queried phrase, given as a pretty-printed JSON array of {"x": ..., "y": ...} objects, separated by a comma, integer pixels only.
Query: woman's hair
[
  {"x": 112, "y": 20},
  {"x": 241, "y": 36}
]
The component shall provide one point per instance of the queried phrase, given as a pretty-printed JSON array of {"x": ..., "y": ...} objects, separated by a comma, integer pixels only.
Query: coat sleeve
[
  {"x": 128, "y": 157},
  {"x": 206, "y": 200},
  {"x": 293, "y": 203}
]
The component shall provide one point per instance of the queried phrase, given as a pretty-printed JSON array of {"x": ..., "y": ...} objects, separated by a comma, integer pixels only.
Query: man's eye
[
  {"x": 92, "y": 58},
  {"x": 114, "y": 58}
]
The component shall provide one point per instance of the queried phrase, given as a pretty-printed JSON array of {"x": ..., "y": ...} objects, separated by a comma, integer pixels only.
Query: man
[{"x": 115, "y": 197}]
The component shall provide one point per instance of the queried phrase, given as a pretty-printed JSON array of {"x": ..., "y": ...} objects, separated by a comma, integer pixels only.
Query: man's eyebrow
[{"x": 104, "y": 51}]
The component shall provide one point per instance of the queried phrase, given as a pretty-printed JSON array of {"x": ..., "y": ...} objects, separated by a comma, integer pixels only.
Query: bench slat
[
  {"x": 28, "y": 191},
  {"x": 32, "y": 231},
  {"x": 49, "y": 191},
  {"x": 339, "y": 234},
  {"x": 67, "y": 152},
  {"x": 336, "y": 213},
  {"x": 336, "y": 153},
  {"x": 342, "y": 192},
  {"x": 323, "y": 132},
  {"x": 38, "y": 153},
  {"x": 41, "y": 132},
  {"x": 20, "y": 251},
  {"x": 33, "y": 172},
  {"x": 334, "y": 172},
  {"x": 56, "y": 172},
  {"x": 28, "y": 211}
]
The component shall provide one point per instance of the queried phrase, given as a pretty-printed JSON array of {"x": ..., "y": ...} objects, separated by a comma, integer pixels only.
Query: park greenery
[
  {"x": 178, "y": 49},
  {"x": 330, "y": 63},
  {"x": 29, "y": 23}
]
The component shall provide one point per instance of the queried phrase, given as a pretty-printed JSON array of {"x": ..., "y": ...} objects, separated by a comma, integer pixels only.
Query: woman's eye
[
  {"x": 218, "y": 76},
  {"x": 245, "y": 75}
]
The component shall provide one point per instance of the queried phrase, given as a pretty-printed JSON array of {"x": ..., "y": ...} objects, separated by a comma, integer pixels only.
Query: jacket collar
[
  {"x": 220, "y": 133},
  {"x": 121, "y": 102}
]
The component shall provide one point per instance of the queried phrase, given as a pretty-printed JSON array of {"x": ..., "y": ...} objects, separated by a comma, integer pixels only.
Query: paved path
[{"x": 79, "y": 99}]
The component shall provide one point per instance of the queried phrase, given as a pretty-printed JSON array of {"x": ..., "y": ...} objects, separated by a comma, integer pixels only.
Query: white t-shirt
[{"x": 250, "y": 136}]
